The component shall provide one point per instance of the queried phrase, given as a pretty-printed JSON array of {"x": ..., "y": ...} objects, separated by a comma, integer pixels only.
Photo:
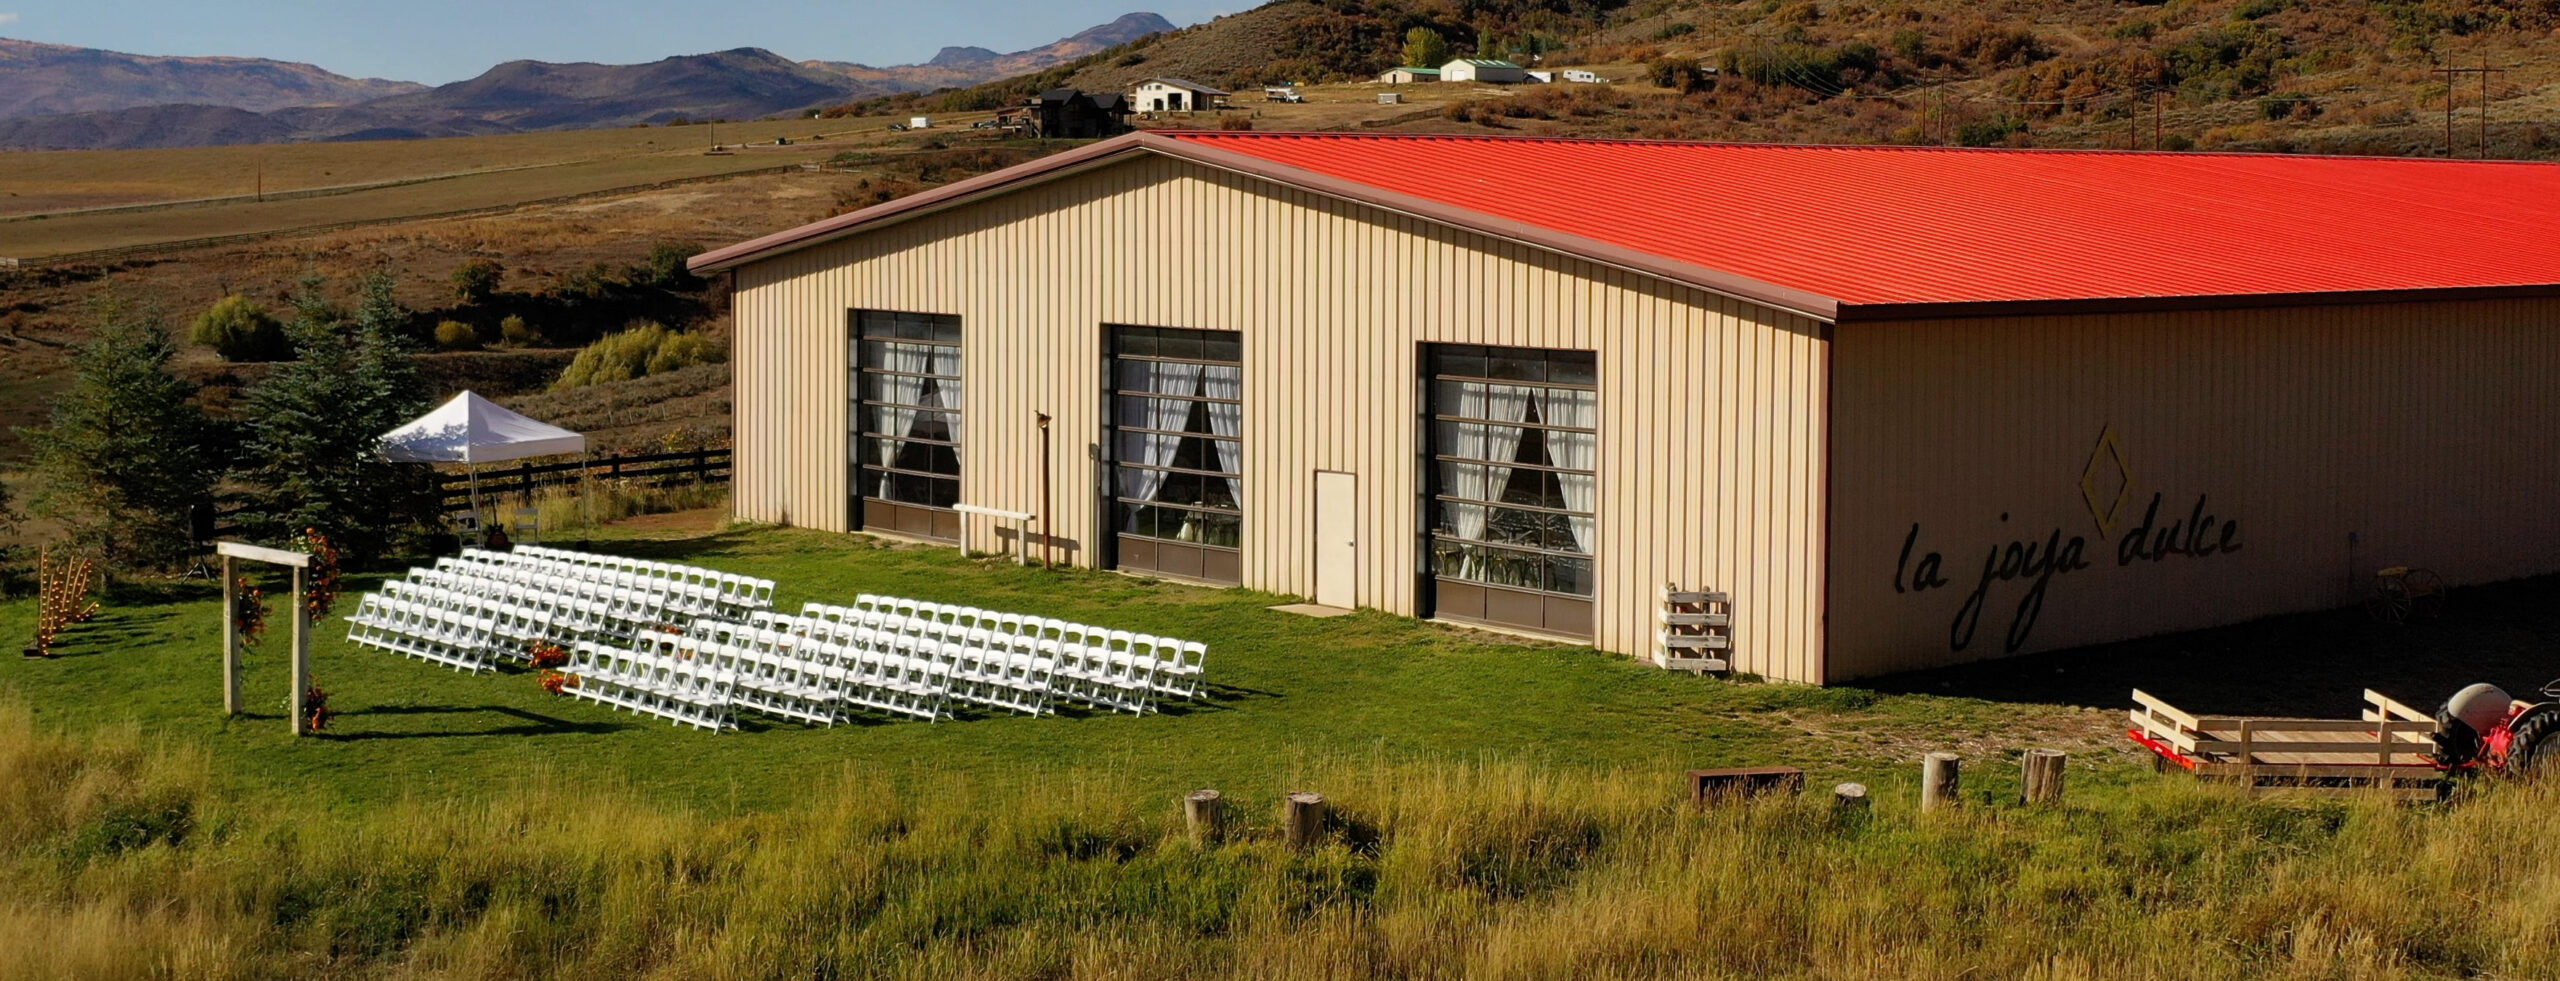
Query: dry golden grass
[
  {"x": 58, "y": 180},
  {"x": 119, "y": 860}
]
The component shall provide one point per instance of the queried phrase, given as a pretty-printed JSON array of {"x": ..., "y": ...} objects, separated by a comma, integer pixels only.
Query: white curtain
[
  {"x": 905, "y": 389},
  {"x": 1466, "y": 479},
  {"x": 1226, "y": 421},
  {"x": 1493, "y": 443},
  {"x": 1579, "y": 409},
  {"x": 1157, "y": 449},
  {"x": 946, "y": 361},
  {"x": 1503, "y": 403}
]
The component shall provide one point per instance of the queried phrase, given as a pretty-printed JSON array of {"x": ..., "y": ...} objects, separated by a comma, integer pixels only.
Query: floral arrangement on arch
[
  {"x": 248, "y": 611},
  {"x": 320, "y": 583}
]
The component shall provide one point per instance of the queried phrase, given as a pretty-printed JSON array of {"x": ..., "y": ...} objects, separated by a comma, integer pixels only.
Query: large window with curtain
[
  {"x": 905, "y": 428},
  {"x": 1177, "y": 451},
  {"x": 1513, "y": 439}
]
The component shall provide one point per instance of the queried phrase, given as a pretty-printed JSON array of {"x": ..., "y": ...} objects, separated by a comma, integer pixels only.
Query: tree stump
[
  {"x": 2040, "y": 775},
  {"x": 1206, "y": 813},
  {"x": 1303, "y": 819},
  {"x": 1849, "y": 803},
  {"x": 1940, "y": 779}
]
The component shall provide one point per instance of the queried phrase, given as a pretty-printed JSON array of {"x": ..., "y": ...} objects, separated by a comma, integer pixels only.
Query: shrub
[
  {"x": 1235, "y": 122},
  {"x": 476, "y": 280},
  {"x": 665, "y": 267},
  {"x": 514, "y": 331},
  {"x": 1668, "y": 31},
  {"x": 596, "y": 281},
  {"x": 2288, "y": 107},
  {"x": 454, "y": 335},
  {"x": 1683, "y": 75},
  {"x": 1989, "y": 132},
  {"x": 240, "y": 331},
  {"x": 646, "y": 348}
]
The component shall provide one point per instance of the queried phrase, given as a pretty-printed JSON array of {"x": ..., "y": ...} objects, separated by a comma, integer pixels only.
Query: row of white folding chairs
[
  {"x": 1083, "y": 671},
  {"x": 740, "y": 592},
  {"x": 822, "y": 679},
  {"x": 691, "y": 599},
  {"x": 1182, "y": 660},
  {"x": 651, "y": 675},
  {"x": 431, "y": 627},
  {"x": 597, "y": 608},
  {"x": 975, "y": 670},
  {"x": 1178, "y": 663}
]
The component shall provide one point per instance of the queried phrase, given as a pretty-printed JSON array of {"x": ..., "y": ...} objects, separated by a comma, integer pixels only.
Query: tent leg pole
[
  {"x": 587, "y": 501},
  {"x": 480, "y": 533}
]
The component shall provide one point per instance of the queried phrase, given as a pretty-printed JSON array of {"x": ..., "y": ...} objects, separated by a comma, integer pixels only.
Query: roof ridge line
[{"x": 1842, "y": 147}]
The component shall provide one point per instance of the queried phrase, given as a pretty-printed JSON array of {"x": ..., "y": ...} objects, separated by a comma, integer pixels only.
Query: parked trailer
[{"x": 2391, "y": 748}]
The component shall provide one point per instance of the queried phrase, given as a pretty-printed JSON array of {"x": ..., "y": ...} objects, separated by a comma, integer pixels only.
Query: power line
[{"x": 2484, "y": 71}]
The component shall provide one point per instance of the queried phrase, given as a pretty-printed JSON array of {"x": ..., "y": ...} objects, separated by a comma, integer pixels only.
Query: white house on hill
[{"x": 1173, "y": 95}]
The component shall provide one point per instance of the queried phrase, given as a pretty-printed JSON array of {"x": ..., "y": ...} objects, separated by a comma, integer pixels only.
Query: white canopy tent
[{"x": 471, "y": 430}]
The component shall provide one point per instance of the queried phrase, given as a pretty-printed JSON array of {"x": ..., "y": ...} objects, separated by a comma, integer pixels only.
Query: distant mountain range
[
  {"x": 970, "y": 66},
  {"x": 56, "y": 97}
]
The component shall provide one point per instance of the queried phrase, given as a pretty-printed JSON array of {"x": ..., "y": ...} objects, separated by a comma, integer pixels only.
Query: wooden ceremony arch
[{"x": 300, "y": 563}]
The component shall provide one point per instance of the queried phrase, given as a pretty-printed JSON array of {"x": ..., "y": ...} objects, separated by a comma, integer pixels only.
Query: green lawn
[{"x": 1288, "y": 692}]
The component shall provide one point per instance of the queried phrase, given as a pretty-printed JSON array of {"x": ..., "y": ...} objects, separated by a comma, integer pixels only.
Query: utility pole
[
  {"x": 2484, "y": 71},
  {"x": 2156, "y": 99}
]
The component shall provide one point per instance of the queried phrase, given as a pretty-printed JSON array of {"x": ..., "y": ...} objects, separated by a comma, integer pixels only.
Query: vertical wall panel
[
  {"x": 1710, "y": 465},
  {"x": 2340, "y": 439}
]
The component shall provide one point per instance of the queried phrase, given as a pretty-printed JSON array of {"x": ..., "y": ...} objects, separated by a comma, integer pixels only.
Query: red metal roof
[
  {"x": 1910, "y": 225},
  {"x": 1864, "y": 232}
]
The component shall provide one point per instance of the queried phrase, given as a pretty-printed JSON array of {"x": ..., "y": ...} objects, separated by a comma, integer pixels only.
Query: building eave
[
  {"x": 1114, "y": 150},
  {"x": 1958, "y": 309}
]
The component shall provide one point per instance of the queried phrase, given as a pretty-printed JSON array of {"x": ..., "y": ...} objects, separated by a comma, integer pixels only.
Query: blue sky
[{"x": 445, "y": 40}]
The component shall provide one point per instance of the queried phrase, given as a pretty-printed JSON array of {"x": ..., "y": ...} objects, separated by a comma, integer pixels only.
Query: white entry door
[{"x": 1337, "y": 545}]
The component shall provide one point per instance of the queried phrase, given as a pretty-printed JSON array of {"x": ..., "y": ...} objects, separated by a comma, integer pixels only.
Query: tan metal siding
[
  {"x": 2429, "y": 431},
  {"x": 1710, "y": 466}
]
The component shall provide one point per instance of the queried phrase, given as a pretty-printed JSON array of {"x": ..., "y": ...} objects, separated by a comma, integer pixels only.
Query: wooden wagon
[{"x": 2389, "y": 749}]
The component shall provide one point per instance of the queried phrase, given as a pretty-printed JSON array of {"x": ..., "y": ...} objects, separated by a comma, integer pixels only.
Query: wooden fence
[
  {"x": 221, "y": 517},
  {"x": 650, "y": 470}
]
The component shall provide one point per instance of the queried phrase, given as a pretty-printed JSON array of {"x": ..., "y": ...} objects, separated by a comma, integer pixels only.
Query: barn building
[
  {"x": 1906, "y": 407},
  {"x": 1482, "y": 70},
  {"x": 1174, "y": 95}
]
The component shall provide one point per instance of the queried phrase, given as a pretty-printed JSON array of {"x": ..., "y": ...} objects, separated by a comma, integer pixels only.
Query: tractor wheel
[{"x": 2534, "y": 748}]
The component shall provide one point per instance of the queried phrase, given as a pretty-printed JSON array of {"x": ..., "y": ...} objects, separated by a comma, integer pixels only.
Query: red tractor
[{"x": 2482, "y": 729}]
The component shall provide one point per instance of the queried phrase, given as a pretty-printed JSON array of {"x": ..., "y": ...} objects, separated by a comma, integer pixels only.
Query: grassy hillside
[
  {"x": 1506, "y": 810},
  {"x": 2278, "y": 75}
]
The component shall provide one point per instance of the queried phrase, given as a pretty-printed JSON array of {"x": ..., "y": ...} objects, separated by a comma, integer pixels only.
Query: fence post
[
  {"x": 1849, "y": 803},
  {"x": 230, "y": 636},
  {"x": 1304, "y": 819},
  {"x": 1205, "y": 812},
  {"x": 1939, "y": 779},
  {"x": 301, "y": 656},
  {"x": 701, "y": 467},
  {"x": 2040, "y": 772}
]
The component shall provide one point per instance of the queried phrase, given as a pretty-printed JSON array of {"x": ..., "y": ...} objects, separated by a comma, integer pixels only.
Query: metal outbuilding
[{"x": 1904, "y": 406}]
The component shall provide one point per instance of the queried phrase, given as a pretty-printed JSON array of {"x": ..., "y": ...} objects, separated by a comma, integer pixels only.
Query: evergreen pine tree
[
  {"x": 313, "y": 425},
  {"x": 126, "y": 456}
]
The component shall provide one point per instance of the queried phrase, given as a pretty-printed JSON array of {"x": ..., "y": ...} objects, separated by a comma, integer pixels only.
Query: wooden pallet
[
  {"x": 2389, "y": 748},
  {"x": 1697, "y": 631}
]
